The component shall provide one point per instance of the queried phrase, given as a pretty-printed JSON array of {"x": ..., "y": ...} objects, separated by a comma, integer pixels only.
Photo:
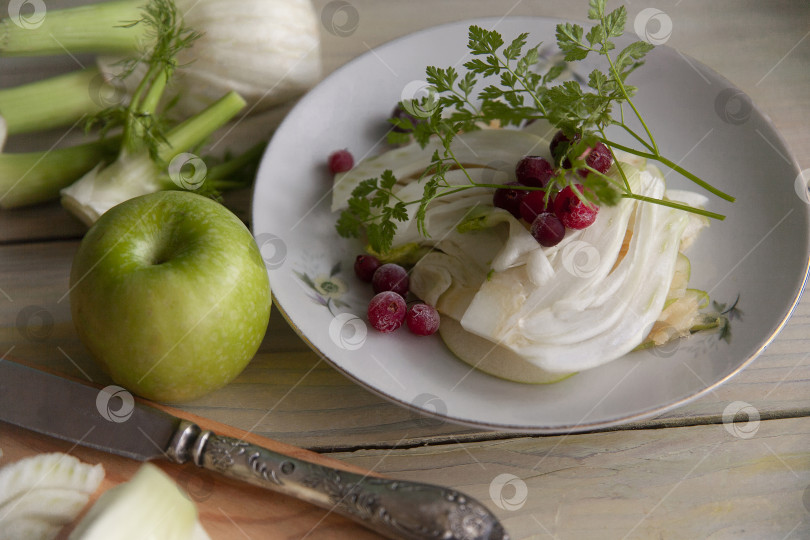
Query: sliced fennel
[
  {"x": 544, "y": 312},
  {"x": 41, "y": 494},
  {"x": 148, "y": 507}
]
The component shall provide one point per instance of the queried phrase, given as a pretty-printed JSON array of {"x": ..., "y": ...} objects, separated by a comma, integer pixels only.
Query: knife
[{"x": 75, "y": 412}]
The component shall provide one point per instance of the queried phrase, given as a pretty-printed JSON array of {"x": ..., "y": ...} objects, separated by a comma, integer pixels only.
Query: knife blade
[{"x": 112, "y": 421}]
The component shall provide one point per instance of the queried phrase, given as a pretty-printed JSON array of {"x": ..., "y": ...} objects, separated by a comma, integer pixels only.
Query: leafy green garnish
[{"x": 455, "y": 104}]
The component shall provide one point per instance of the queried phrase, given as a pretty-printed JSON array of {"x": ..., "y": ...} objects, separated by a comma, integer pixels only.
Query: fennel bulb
[
  {"x": 266, "y": 50},
  {"x": 137, "y": 172}
]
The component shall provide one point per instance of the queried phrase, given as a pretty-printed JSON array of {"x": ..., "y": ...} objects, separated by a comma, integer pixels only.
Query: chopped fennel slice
[
  {"x": 42, "y": 493},
  {"x": 150, "y": 506},
  {"x": 495, "y": 149}
]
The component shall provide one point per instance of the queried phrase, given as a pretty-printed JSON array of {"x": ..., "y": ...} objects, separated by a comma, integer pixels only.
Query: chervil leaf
[
  {"x": 596, "y": 35},
  {"x": 615, "y": 21},
  {"x": 487, "y": 67},
  {"x": 387, "y": 180},
  {"x": 599, "y": 82},
  {"x": 348, "y": 226},
  {"x": 483, "y": 41},
  {"x": 516, "y": 47},
  {"x": 364, "y": 188},
  {"x": 397, "y": 138},
  {"x": 441, "y": 79},
  {"x": 400, "y": 212},
  {"x": 569, "y": 40},
  {"x": 553, "y": 73},
  {"x": 467, "y": 84},
  {"x": 597, "y": 9},
  {"x": 631, "y": 57}
]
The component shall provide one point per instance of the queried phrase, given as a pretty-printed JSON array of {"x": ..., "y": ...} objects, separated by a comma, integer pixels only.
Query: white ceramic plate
[{"x": 760, "y": 252}]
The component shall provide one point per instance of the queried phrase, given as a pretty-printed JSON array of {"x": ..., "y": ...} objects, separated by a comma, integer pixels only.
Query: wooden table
[{"x": 681, "y": 475}]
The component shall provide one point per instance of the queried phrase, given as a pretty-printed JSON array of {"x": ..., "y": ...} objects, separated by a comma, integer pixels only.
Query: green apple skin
[{"x": 169, "y": 293}]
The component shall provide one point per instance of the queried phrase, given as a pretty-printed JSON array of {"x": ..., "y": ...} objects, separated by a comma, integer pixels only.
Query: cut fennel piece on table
[{"x": 42, "y": 493}]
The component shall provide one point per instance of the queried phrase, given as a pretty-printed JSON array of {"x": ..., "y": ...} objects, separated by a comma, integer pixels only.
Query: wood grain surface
[{"x": 685, "y": 474}]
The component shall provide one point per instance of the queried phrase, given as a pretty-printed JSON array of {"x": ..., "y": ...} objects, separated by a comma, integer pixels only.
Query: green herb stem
[
  {"x": 95, "y": 28},
  {"x": 626, "y": 182},
  {"x": 673, "y": 204},
  {"x": 635, "y": 135},
  {"x": 661, "y": 159},
  {"x": 35, "y": 177},
  {"x": 629, "y": 101},
  {"x": 537, "y": 102}
]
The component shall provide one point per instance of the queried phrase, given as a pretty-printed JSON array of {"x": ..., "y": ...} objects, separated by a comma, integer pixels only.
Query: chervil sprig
[
  {"x": 515, "y": 92},
  {"x": 371, "y": 209}
]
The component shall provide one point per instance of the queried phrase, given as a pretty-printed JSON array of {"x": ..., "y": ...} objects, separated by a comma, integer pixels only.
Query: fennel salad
[{"x": 537, "y": 245}]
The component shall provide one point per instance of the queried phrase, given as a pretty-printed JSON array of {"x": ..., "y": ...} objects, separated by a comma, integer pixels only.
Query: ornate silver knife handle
[{"x": 394, "y": 508}]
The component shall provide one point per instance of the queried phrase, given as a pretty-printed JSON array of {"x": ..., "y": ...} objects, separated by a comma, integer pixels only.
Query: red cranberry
[
  {"x": 340, "y": 161},
  {"x": 533, "y": 204},
  {"x": 391, "y": 277},
  {"x": 598, "y": 158},
  {"x": 386, "y": 311},
  {"x": 534, "y": 171},
  {"x": 365, "y": 266},
  {"x": 574, "y": 213},
  {"x": 422, "y": 319},
  {"x": 509, "y": 199},
  {"x": 547, "y": 229}
]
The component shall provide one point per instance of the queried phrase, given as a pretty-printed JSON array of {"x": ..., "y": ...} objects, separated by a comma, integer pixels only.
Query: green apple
[{"x": 169, "y": 293}]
